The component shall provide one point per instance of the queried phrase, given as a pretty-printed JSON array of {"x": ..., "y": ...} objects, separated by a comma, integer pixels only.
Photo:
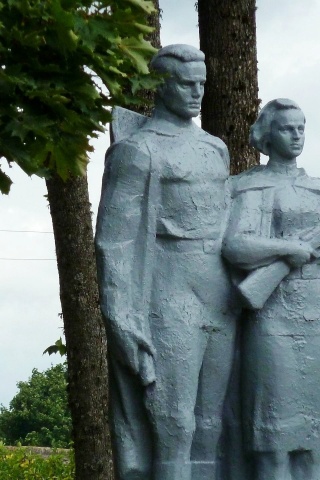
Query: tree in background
[
  {"x": 153, "y": 19},
  {"x": 230, "y": 104},
  {"x": 55, "y": 58},
  {"x": 38, "y": 414},
  {"x": 154, "y": 23}
]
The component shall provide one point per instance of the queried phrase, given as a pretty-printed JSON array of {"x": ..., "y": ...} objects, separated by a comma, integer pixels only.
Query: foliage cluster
[
  {"x": 38, "y": 414},
  {"x": 63, "y": 63},
  {"x": 21, "y": 464}
]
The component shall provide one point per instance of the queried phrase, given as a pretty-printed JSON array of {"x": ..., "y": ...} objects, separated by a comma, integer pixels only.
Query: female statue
[{"x": 274, "y": 227}]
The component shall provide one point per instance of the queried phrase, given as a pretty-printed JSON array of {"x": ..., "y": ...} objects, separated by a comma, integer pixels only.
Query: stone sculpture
[
  {"x": 272, "y": 240},
  {"x": 164, "y": 290}
]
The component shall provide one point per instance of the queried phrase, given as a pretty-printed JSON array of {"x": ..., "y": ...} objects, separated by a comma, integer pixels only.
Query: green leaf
[
  {"x": 143, "y": 28},
  {"x": 136, "y": 49},
  {"x": 147, "y": 7},
  {"x": 63, "y": 64},
  {"x": 58, "y": 347},
  {"x": 116, "y": 70},
  {"x": 5, "y": 183}
]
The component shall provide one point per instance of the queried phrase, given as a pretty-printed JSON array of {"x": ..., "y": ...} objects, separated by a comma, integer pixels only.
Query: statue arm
[
  {"x": 249, "y": 251},
  {"x": 118, "y": 226},
  {"x": 118, "y": 238},
  {"x": 244, "y": 245}
]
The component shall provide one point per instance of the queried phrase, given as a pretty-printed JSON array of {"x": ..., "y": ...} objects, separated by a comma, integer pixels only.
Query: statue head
[
  {"x": 279, "y": 129},
  {"x": 182, "y": 90}
]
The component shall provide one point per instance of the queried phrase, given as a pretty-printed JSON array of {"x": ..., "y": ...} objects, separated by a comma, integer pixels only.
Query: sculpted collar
[
  {"x": 289, "y": 168},
  {"x": 163, "y": 124}
]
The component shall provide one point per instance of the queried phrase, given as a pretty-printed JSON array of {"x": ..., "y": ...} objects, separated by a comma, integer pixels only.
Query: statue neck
[
  {"x": 283, "y": 166},
  {"x": 170, "y": 120}
]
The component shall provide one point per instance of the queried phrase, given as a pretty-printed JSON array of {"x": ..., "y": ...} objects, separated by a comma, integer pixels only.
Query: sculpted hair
[
  {"x": 260, "y": 130},
  {"x": 166, "y": 59}
]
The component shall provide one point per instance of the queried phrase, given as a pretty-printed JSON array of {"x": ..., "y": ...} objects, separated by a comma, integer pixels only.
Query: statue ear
[
  {"x": 161, "y": 90},
  {"x": 124, "y": 123},
  {"x": 265, "y": 146}
]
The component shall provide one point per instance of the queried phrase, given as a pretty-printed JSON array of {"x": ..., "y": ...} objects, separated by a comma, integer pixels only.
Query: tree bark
[
  {"x": 154, "y": 39},
  {"x": 154, "y": 21},
  {"x": 83, "y": 326},
  {"x": 230, "y": 105}
]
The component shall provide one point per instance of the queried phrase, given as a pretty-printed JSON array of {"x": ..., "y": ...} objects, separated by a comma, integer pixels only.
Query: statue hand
[
  {"x": 135, "y": 351},
  {"x": 146, "y": 368},
  {"x": 299, "y": 253}
]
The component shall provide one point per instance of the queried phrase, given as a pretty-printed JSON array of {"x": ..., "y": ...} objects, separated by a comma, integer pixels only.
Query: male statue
[{"x": 164, "y": 290}]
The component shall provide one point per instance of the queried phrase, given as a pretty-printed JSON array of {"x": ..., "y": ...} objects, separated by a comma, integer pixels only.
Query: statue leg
[
  {"x": 233, "y": 463},
  {"x": 129, "y": 425},
  {"x": 271, "y": 466},
  {"x": 213, "y": 382},
  {"x": 171, "y": 400},
  {"x": 305, "y": 465}
]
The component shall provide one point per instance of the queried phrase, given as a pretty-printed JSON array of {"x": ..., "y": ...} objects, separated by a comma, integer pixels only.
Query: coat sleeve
[
  {"x": 247, "y": 242},
  {"x": 120, "y": 234}
]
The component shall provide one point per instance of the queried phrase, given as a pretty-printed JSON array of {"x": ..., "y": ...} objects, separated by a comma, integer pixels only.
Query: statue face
[
  {"x": 287, "y": 133},
  {"x": 182, "y": 93}
]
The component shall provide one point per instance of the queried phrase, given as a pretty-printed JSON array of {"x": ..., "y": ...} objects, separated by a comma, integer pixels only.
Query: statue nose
[
  {"x": 297, "y": 133},
  {"x": 196, "y": 92}
]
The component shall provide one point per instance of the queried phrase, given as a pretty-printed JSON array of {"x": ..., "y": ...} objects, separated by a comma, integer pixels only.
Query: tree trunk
[
  {"x": 154, "y": 39},
  {"x": 229, "y": 108},
  {"x": 230, "y": 104},
  {"x": 83, "y": 326},
  {"x": 154, "y": 21}
]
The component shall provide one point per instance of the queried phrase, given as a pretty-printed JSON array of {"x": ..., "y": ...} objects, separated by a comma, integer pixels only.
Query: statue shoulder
[
  {"x": 255, "y": 178},
  {"x": 309, "y": 183},
  {"x": 217, "y": 144},
  {"x": 252, "y": 171},
  {"x": 131, "y": 152},
  {"x": 214, "y": 141}
]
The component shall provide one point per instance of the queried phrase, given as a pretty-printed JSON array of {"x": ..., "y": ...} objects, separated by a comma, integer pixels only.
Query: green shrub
[
  {"x": 21, "y": 464},
  {"x": 38, "y": 414}
]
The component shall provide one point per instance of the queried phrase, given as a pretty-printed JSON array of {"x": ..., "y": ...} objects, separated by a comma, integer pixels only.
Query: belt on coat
[{"x": 183, "y": 245}]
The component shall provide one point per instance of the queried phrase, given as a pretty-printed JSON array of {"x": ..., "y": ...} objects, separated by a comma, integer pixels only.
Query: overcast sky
[{"x": 289, "y": 66}]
